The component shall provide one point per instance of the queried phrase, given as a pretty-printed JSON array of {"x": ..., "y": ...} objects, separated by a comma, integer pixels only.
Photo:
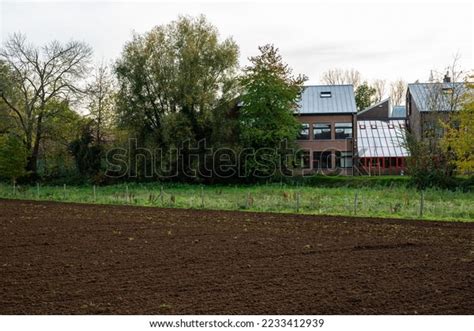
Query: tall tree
[
  {"x": 181, "y": 67},
  {"x": 364, "y": 96},
  {"x": 38, "y": 76},
  {"x": 269, "y": 99},
  {"x": 100, "y": 94}
]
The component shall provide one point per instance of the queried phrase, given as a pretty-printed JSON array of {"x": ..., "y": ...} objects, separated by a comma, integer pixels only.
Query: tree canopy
[
  {"x": 181, "y": 67},
  {"x": 459, "y": 135},
  {"x": 36, "y": 77},
  {"x": 364, "y": 96},
  {"x": 12, "y": 157},
  {"x": 270, "y": 95}
]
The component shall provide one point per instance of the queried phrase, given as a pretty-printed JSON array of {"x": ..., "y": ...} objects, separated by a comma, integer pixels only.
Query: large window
[
  {"x": 343, "y": 130},
  {"x": 322, "y": 160},
  {"x": 304, "y": 133},
  {"x": 322, "y": 131},
  {"x": 343, "y": 159}
]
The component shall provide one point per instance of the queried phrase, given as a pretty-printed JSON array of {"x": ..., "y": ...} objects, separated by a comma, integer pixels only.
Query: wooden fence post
[
  {"x": 202, "y": 197},
  {"x": 95, "y": 194},
  {"x": 422, "y": 201},
  {"x": 64, "y": 191},
  {"x": 248, "y": 201},
  {"x": 161, "y": 196},
  {"x": 297, "y": 201},
  {"x": 127, "y": 195},
  {"x": 355, "y": 203},
  {"x": 14, "y": 188},
  {"x": 37, "y": 190}
]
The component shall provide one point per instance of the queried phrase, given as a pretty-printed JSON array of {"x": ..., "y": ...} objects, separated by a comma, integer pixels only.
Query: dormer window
[
  {"x": 373, "y": 126},
  {"x": 448, "y": 90},
  {"x": 325, "y": 94}
]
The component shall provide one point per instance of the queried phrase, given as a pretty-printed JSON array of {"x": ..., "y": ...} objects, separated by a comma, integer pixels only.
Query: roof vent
[{"x": 325, "y": 94}]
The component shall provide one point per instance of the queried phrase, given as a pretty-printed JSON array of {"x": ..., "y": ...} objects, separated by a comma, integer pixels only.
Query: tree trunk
[{"x": 32, "y": 165}]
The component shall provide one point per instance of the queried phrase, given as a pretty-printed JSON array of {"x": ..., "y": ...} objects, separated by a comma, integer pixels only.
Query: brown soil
[{"x": 91, "y": 259}]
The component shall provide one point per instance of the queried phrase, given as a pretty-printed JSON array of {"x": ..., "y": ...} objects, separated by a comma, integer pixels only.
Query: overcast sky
[{"x": 389, "y": 41}]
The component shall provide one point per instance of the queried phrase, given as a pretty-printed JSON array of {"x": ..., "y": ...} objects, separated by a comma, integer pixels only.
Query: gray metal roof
[
  {"x": 399, "y": 112},
  {"x": 342, "y": 100},
  {"x": 436, "y": 96},
  {"x": 381, "y": 138}
]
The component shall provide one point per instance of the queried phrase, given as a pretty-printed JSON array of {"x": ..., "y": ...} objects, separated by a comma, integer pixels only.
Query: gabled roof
[
  {"x": 380, "y": 103},
  {"x": 398, "y": 112},
  {"x": 436, "y": 96},
  {"x": 381, "y": 138},
  {"x": 327, "y": 99}
]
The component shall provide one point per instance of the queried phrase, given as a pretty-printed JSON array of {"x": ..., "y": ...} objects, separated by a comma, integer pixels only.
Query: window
[
  {"x": 322, "y": 160},
  {"x": 302, "y": 159},
  {"x": 343, "y": 159},
  {"x": 322, "y": 131},
  {"x": 304, "y": 133},
  {"x": 343, "y": 130},
  {"x": 325, "y": 94}
]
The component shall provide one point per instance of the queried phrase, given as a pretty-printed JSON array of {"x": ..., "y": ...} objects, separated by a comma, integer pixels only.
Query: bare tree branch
[
  {"x": 42, "y": 74},
  {"x": 379, "y": 86},
  {"x": 339, "y": 76},
  {"x": 397, "y": 92}
]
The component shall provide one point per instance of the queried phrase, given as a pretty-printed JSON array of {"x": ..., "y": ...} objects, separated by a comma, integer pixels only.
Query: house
[
  {"x": 334, "y": 138},
  {"x": 429, "y": 104},
  {"x": 327, "y": 114}
]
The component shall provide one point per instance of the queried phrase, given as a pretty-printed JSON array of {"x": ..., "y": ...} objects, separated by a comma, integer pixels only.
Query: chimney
[{"x": 446, "y": 78}]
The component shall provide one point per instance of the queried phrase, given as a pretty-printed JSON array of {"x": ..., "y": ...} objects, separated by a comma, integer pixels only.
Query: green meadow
[{"x": 376, "y": 201}]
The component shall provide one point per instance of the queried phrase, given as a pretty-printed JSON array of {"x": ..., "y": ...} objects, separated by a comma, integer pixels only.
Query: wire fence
[{"x": 399, "y": 202}]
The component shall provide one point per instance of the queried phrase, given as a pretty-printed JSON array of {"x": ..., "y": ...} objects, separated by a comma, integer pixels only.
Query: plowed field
[{"x": 58, "y": 258}]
